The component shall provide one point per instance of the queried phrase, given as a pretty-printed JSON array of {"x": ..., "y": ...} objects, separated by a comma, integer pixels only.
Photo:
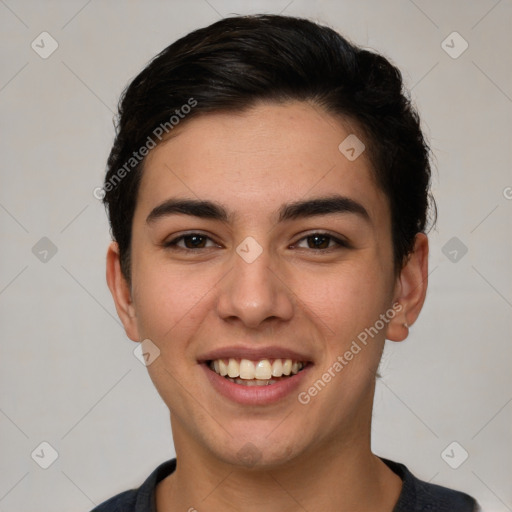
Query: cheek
[
  {"x": 345, "y": 300},
  {"x": 167, "y": 298}
]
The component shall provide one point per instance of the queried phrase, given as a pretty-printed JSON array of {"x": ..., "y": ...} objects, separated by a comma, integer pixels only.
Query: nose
[{"x": 254, "y": 293}]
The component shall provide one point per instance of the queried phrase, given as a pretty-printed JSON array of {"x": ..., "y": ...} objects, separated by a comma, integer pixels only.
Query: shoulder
[
  {"x": 420, "y": 496},
  {"x": 124, "y": 502},
  {"x": 141, "y": 499}
]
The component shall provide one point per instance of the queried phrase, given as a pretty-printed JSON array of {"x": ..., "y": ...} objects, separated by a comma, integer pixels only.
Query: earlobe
[
  {"x": 121, "y": 293},
  {"x": 410, "y": 290}
]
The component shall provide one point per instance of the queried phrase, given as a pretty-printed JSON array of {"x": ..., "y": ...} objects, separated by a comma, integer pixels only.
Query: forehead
[{"x": 255, "y": 161}]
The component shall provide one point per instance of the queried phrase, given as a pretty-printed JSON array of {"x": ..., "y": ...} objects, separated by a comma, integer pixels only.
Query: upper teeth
[{"x": 262, "y": 369}]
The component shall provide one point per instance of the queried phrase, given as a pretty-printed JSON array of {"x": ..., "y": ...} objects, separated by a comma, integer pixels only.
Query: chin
[{"x": 263, "y": 452}]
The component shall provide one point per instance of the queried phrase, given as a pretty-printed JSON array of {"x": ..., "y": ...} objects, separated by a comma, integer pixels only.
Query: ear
[
  {"x": 410, "y": 290},
  {"x": 121, "y": 293}
]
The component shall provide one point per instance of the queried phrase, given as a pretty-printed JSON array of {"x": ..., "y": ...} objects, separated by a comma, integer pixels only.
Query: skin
[{"x": 316, "y": 456}]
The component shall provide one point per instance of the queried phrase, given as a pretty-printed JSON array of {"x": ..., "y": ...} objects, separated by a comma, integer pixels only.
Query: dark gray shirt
[{"x": 416, "y": 495}]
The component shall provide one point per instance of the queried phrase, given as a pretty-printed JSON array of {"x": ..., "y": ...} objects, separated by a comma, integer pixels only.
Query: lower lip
[{"x": 255, "y": 395}]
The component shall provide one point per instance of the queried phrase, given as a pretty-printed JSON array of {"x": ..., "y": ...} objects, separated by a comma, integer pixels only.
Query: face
[{"x": 256, "y": 242}]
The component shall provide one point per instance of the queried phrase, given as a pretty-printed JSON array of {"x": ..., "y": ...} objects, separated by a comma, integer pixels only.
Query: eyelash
[{"x": 341, "y": 244}]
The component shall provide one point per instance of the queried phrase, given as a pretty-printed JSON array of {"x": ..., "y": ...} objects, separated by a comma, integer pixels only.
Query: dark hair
[{"x": 238, "y": 61}]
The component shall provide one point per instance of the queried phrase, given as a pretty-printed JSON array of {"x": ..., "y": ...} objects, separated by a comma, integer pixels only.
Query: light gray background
[{"x": 68, "y": 373}]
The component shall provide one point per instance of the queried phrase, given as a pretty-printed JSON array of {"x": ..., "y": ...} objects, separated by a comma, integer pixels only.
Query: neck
[{"x": 340, "y": 474}]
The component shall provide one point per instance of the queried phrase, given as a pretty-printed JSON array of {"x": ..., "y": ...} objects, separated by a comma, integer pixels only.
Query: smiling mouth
[{"x": 263, "y": 372}]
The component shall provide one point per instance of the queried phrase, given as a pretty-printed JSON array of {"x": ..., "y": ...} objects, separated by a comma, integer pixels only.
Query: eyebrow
[{"x": 204, "y": 209}]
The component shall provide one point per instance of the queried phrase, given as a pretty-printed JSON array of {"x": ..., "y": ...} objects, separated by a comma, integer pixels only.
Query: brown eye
[
  {"x": 190, "y": 242},
  {"x": 194, "y": 241},
  {"x": 318, "y": 241},
  {"x": 321, "y": 241}
]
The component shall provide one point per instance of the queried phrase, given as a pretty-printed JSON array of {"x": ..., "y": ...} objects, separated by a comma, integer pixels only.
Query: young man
[{"x": 268, "y": 193}]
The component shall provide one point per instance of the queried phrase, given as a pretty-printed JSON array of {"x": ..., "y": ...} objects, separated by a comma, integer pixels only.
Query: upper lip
[{"x": 253, "y": 354}]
